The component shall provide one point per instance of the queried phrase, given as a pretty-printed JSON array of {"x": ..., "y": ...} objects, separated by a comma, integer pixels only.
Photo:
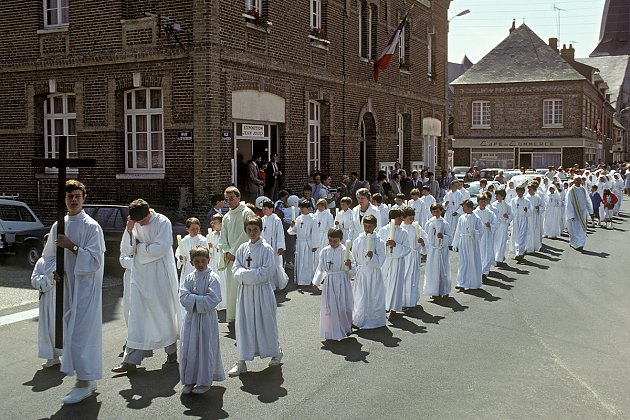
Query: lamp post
[{"x": 462, "y": 13}]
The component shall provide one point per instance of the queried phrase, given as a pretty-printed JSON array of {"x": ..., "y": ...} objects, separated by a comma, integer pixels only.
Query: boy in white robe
[
  {"x": 43, "y": 280},
  {"x": 427, "y": 201},
  {"x": 307, "y": 239},
  {"x": 466, "y": 243},
  {"x": 578, "y": 207},
  {"x": 273, "y": 233},
  {"x": 413, "y": 261},
  {"x": 551, "y": 223},
  {"x": 193, "y": 239},
  {"x": 333, "y": 275},
  {"x": 256, "y": 322},
  {"x": 323, "y": 221},
  {"x": 399, "y": 201},
  {"x": 534, "y": 219},
  {"x": 437, "y": 270},
  {"x": 489, "y": 222},
  {"x": 452, "y": 207},
  {"x": 520, "y": 232},
  {"x": 343, "y": 219},
  {"x": 199, "y": 293},
  {"x": 415, "y": 203},
  {"x": 383, "y": 211},
  {"x": 368, "y": 253},
  {"x": 217, "y": 257},
  {"x": 503, "y": 213},
  {"x": 393, "y": 269},
  {"x": 463, "y": 192}
]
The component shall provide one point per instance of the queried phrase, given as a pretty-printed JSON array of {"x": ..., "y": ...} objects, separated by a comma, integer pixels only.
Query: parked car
[
  {"x": 489, "y": 173},
  {"x": 460, "y": 171},
  {"x": 475, "y": 186},
  {"x": 16, "y": 218},
  {"x": 523, "y": 179}
]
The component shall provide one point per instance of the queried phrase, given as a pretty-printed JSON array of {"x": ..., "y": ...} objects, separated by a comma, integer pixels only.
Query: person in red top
[{"x": 609, "y": 199}]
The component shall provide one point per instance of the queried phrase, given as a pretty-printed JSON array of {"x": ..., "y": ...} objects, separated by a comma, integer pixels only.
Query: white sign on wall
[{"x": 253, "y": 130}]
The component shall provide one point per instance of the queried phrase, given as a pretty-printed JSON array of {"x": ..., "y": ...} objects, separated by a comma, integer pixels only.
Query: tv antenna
[
  {"x": 557, "y": 11},
  {"x": 170, "y": 29}
]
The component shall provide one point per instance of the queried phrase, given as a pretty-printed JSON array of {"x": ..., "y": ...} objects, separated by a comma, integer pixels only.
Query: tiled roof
[{"x": 613, "y": 69}]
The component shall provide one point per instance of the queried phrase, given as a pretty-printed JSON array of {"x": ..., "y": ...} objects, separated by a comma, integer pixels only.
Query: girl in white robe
[
  {"x": 307, "y": 240},
  {"x": 343, "y": 219},
  {"x": 393, "y": 269},
  {"x": 521, "y": 207},
  {"x": 553, "y": 214},
  {"x": 368, "y": 253},
  {"x": 200, "y": 355},
  {"x": 333, "y": 275},
  {"x": 217, "y": 256},
  {"x": 617, "y": 188},
  {"x": 256, "y": 322},
  {"x": 466, "y": 243},
  {"x": 42, "y": 280},
  {"x": 415, "y": 203},
  {"x": 413, "y": 261},
  {"x": 323, "y": 221},
  {"x": 489, "y": 222},
  {"x": 534, "y": 221},
  {"x": 510, "y": 192},
  {"x": 182, "y": 253},
  {"x": 437, "y": 270},
  {"x": 453, "y": 207},
  {"x": 503, "y": 213},
  {"x": 273, "y": 233}
]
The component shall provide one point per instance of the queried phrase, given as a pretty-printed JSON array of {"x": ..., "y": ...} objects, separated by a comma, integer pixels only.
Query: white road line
[{"x": 19, "y": 316}]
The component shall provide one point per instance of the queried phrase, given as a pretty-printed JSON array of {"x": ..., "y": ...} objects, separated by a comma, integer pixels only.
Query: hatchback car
[{"x": 16, "y": 217}]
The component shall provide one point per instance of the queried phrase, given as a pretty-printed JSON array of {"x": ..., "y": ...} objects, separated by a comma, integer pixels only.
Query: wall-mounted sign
[
  {"x": 185, "y": 135},
  {"x": 226, "y": 135},
  {"x": 253, "y": 130}
]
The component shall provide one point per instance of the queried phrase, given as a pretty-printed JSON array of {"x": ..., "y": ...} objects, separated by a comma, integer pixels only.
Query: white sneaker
[
  {"x": 77, "y": 395},
  {"x": 275, "y": 361},
  {"x": 187, "y": 389},
  {"x": 51, "y": 362},
  {"x": 238, "y": 368},
  {"x": 201, "y": 389}
]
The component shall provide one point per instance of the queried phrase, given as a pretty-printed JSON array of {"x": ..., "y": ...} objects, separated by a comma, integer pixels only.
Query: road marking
[{"x": 19, "y": 316}]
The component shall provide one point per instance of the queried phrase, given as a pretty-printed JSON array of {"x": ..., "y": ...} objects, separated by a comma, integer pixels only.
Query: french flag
[{"x": 387, "y": 54}]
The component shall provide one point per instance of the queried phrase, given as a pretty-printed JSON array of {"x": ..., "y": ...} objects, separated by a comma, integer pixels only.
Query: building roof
[
  {"x": 614, "y": 34},
  {"x": 521, "y": 57},
  {"x": 613, "y": 70},
  {"x": 457, "y": 69}
]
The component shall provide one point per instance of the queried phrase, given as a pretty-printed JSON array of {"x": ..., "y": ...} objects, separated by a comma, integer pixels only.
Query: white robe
[
  {"x": 368, "y": 289},
  {"x": 42, "y": 280},
  {"x": 453, "y": 209},
  {"x": 437, "y": 270},
  {"x": 217, "y": 261},
  {"x": 503, "y": 213},
  {"x": 465, "y": 195},
  {"x": 307, "y": 238},
  {"x": 273, "y": 233},
  {"x": 335, "y": 313},
  {"x": 200, "y": 355},
  {"x": 425, "y": 212},
  {"x": 356, "y": 228},
  {"x": 323, "y": 221},
  {"x": 618, "y": 188},
  {"x": 521, "y": 207},
  {"x": 382, "y": 218},
  {"x": 256, "y": 323},
  {"x": 510, "y": 193},
  {"x": 486, "y": 245},
  {"x": 578, "y": 208},
  {"x": 393, "y": 268},
  {"x": 466, "y": 242},
  {"x": 83, "y": 302},
  {"x": 534, "y": 223},
  {"x": 344, "y": 222},
  {"x": 413, "y": 267},
  {"x": 188, "y": 243},
  {"x": 154, "y": 307},
  {"x": 417, "y": 206},
  {"x": 553, "y": 214},
  {"x": 126, "y": 262}
]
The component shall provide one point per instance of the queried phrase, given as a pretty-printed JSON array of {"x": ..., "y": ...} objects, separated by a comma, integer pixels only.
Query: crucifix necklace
[{"x": 249, "y": 260}]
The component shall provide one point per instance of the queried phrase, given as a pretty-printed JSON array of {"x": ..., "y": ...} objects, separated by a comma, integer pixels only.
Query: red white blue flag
[{"x": 387, "y": 54}]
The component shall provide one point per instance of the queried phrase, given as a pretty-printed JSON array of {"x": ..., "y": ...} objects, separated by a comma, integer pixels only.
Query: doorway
[
  {"x": 367, "y": 148},
  {"x": 525, "y": 160},
  {"x": 251, "y": 139}
]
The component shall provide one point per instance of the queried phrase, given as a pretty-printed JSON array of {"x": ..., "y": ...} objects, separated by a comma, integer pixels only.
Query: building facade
[{"x": 172, "y": 100}]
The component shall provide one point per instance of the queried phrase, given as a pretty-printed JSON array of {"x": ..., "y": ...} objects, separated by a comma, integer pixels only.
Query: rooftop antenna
[{"x": 557, "y": 11}]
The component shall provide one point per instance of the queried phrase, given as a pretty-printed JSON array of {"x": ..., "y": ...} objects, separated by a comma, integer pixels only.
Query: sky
[{"x": 488, "y": 23}]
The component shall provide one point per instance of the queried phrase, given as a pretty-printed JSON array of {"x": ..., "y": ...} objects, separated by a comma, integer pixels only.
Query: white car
[
  {"x": 15, "y": 217},
  {"x": 475, "y": 186}
]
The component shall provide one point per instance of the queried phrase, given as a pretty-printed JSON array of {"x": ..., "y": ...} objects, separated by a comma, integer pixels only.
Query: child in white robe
[
  {"x": 193, "y": 239},
  {"x": 466, "y": 243},
  {"x": 427, "y": 200},
  {"x": 452, "y": 207},
  {"x": 256, "y": 322},
  {"x": 413, "y": 261},
  {"x": 323, "y": 221},
  {"x": 393, "y": 269},
  {"x": 415, "y": 203},
  {"x": 307, "y": 240},
  {"x": 343, "y": 219},
  {"x": 521, "y": 207},
  {"x": 377, "y": 201},
  {"x": 510, "y": 192},
  {"x": 399, "y": 201},
  {"x": 553, "y": 213},
  {"x": 489, "y": 222},
  {"x": 333, "y": 275},
  {"x": 437, "y": 270},
  {"x": 200, "y": 355},
  {"x": 273, "y": 233},
  {"x": 534, "y": 219},
  {"x": 217, "y": 256},
  {"x": 503, "y": 213},
  {"x": 42, "y": 280},
  {"x": 368, "y": 253}
]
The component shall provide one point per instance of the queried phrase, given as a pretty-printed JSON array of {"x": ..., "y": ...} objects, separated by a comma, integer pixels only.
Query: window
[
  {"x": 253, "y": 5},
  {"x": 431, "y": 59},
  {"x": 144, "y": 131},
  {"x": 55, "y": 13},
  {"x": 60, "y": 124},
  {"x": 400, "y": 135},
  {"x": 314, "y": 119},
  {"x": 316, "y": 14},
  {"x": 368, "y": 23},
  {"x": 481, "y": 114},
  {"x": 552, "y": 113},
  {"x": 403, "y": 47}
]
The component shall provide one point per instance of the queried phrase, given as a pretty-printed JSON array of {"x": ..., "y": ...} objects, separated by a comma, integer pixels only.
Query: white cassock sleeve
[
  {"x": 42, "y": 277},
  {"x": 90, "y": 256},
  {"x": 149, "y": 252}
]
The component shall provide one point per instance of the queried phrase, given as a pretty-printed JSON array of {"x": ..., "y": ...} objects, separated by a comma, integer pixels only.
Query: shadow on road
[
  {"x": 406, "y": 325},
  {"x": 88, "y": 409},
  {"x": 382, "y": 335},
  {"x": 501, "y": 276},
  {"x": 419, "y": 313},
  {"x": 265, "y": 384},
  {"x": 149, "y": 385},
  {"x": 44, "y": 379},
  {"x": 514, "y": 270},
  {"x": 494, "y": 283},
  {"x": 544, "y": 257},
  {"x": 533, "y": 264},
  {"x": 484, "y": 294},
  {"x": 350, "y": 348},
  {"x": 206, "y": 406},
  {"x": 450, "y": 302},
  {"x": 595, "y": 254}
]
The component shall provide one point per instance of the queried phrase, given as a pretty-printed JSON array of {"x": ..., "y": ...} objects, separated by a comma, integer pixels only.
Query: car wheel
[{"x": 32, "y": 252}]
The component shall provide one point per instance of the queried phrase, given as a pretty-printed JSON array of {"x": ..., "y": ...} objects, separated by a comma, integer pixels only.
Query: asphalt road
[{"x": 546, "y": 338}]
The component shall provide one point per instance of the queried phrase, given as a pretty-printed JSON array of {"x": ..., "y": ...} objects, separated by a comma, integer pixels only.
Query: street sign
[{"x": 185, "y": 135}]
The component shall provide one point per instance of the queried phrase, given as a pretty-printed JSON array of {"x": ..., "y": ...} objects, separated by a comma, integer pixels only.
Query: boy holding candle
[
  {"x": 466, "y": 242},
  {"x": 307, "y": 240},
  {"x": 416, "y": 237},
  {"x": 273, "y": 233},
  {"x": 437, "y": 270},
  {"x": 217, "y": 256},
  {"x": 503, "y": 212}
]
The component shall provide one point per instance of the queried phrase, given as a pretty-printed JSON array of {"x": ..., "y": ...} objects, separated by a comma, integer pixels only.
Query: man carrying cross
[{"x": 84, "y": 249}]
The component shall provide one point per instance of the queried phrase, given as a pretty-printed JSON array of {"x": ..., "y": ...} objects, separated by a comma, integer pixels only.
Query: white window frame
[
  {"x": 430, "y": 36},
  {"x": 131, "y": 133},
  {"x": 553, "y": 116},
  {"x": 316, "y": 14},
  {"x": 480, "y": 118},
  {"x": 429, "y": 152},
  {"x": 314, "y": 136},
  {"x": 61, "y": 12},
  {"x": 253, "y": 4},
  {"x": 369, "y": 29},
  {"x": 402, "y": 46},
  {"x": 68, "y": 122},
  {"x": 388, "y": 167},
  {"x": 400, "y": 135}
]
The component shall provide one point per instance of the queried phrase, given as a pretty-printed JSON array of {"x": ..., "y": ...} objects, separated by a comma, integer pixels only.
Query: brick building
[
  {"x": 171, "y": 96},
  {"x": 527, "y": 104}
]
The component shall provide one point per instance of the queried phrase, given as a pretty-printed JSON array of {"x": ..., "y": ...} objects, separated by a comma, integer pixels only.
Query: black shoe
[
  {"x": 171, "y": 358},
  {"x": 124, "y": 367}
]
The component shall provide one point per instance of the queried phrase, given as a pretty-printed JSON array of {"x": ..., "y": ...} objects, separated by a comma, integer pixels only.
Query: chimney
[
  {"x": 553, "y": 43},
  {"x": 513, "y": 25},
  {"x": 568, "y": 53}
]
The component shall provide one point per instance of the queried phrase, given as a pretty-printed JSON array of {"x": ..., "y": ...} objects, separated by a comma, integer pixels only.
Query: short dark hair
[
  {"x": 502, "y": 193},
  {"x": 73, "y": 185},
  {"x": 370, "y": 219},
  {"x": 307, "y": 187},
  {"x": 254, "y": 221},
  {"x": 401, "y": 196},
  {"x": 216, "y": 198},
  {"x": 335, "y": 233},
  {"x": 199, "y": 251},
  {"x": 138, "y": 209},
  {"x": 468, "y": 203},
  {"x": 436, "y": 206},
  {"x": 394, "y": 213},
  {"x": 192, "y": 221},
  {"x": 305, "y": 203},
  {"x": 409, "y": 211},
  {"x": 377, "y": 197},
  {"x": 268, "y": 204}
]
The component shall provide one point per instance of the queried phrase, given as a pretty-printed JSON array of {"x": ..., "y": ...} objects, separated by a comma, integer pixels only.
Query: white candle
[
  {"x": 369, "y": 244},
  {"x": 209, "y": 231},
  {"x": 180, "y": 245},
  {"x": 392, "y": 226},
  {"x": 417, "y": 226},
  {"x": 293, "y": 213},
  {"x": 346, "y": 256}
]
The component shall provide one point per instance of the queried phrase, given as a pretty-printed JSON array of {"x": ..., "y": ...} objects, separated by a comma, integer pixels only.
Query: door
[
  {"x": 251, "y": 139},
  {"x": 525, "y": 160}
]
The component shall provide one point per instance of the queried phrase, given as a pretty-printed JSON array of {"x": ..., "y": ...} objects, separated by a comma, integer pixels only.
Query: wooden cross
[
  {"x": 302, "y": 224},
  {"x": 319, "y": 224},
  {"x": 249, "y": 260},
  {"x": 61, "y": 163},
  {"x": 330, "y": 263}
]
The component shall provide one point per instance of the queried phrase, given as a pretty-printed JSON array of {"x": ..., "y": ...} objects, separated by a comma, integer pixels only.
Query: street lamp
[{"x": 462, "y": 13}]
